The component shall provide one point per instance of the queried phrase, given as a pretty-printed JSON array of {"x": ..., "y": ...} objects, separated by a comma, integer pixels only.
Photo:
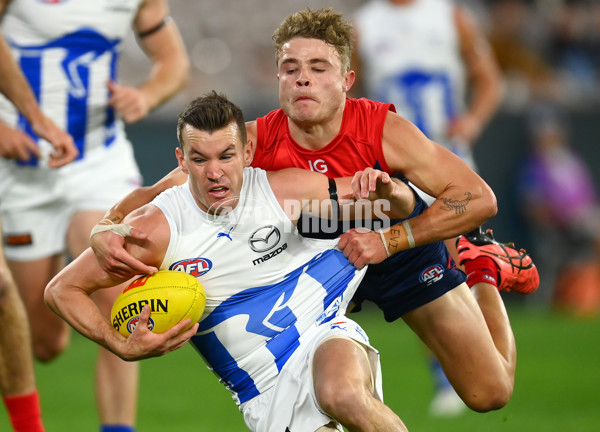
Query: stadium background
[{"x": 558, "y": 378}]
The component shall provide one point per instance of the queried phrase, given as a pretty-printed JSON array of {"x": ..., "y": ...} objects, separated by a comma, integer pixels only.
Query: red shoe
[{"x": 516, "y": 270}]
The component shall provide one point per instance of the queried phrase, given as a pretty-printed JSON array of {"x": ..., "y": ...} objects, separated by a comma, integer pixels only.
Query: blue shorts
[
  {"x": 406, "y": 280},
  {"x": 409, "y": 279}
]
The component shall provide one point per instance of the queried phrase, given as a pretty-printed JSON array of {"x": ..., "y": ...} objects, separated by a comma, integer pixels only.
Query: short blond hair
[{"x": 322, "y": 24}]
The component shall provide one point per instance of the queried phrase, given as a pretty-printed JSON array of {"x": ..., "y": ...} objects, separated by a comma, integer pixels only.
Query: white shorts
[
  {"x": 38, "y": 203},
  {"x": 292, "y": 403}
]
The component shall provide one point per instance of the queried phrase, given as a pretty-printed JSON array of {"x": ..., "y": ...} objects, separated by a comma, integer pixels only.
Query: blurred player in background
[
  {"x": 274, "y": 330},
  {"x": 68, "y": 52},
  {"x": 17, "y": 376},
  {"x": 425, "y": 57},
  {"x": 318, "y": 128}
]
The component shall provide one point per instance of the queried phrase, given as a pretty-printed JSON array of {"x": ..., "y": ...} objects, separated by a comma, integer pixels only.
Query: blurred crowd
[{"x": 547, "y": 49}]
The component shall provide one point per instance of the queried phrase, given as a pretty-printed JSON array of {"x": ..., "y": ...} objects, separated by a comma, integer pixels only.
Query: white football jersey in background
[{"x": 411, "y": 57}]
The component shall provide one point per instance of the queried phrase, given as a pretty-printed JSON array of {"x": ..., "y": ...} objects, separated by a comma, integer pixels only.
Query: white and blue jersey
[
  {"x": 266, "y": 286},
  {"x": 411, "y": 58},
  {"x": 68, "y": 51}
]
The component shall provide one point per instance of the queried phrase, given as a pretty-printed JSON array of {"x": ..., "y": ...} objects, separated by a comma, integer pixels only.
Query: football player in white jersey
[
  {"x": 425, "y": 56},
  {"x": 67, "y": 52},
  {"x": 291, "y": 292}
]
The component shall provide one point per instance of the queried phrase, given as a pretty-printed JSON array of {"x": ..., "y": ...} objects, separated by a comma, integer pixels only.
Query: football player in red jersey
[{"x": 464, "y": 324}]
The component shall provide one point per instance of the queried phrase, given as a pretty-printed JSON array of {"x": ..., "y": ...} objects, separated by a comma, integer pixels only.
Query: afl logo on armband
[{"x": 431, "y": 274}]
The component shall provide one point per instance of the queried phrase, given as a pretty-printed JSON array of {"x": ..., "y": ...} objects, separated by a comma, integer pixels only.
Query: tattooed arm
[{"x": 464, "y": 201}]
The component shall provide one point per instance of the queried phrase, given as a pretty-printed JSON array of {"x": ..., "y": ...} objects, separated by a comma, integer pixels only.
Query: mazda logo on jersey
[{"x": 264, "y": 238}]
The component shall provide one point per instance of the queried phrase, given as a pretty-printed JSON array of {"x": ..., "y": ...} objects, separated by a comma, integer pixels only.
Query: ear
[
  {"x": 181, "y": 160},
  {"x": 349, "y": 78},
  {"x": 249, "y": 153}
]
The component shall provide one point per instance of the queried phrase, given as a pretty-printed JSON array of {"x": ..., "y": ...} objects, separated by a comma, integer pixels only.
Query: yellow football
[{"x": 172, "y": 295}]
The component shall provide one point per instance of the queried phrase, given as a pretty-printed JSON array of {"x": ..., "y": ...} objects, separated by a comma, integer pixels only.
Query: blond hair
[{"x": 322, "y": 24}]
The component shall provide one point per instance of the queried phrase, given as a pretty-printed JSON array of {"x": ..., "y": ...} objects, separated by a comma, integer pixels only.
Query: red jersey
[{"x": 357, "y": 146}]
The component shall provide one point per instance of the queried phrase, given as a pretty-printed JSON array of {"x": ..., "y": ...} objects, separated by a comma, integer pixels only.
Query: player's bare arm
[
  {"x": 464, "y": 200},
  {"x": 109, "y": 246},
  {"x": 68, "y": 295},
  {"x": 484, "y": 78},
  {"x": 160, "y": 39},
  {"x": 301, "y": 191}
]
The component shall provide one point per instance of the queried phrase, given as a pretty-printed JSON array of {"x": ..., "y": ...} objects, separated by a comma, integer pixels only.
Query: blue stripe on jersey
[
  {"x": 411, "y": 86},
  {"x": 32, "y": 64},
  {"x": 271, "y": 315},
  {"x": 81, "y": 49}
]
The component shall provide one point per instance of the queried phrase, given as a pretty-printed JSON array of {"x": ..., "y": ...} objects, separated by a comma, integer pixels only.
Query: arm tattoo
[
  {"x": 394, "y": 240},
  {"x": 458, "y": 206}
]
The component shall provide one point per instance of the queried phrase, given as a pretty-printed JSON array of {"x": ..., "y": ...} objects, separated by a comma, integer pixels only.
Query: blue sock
[{"x": 116, "y": 428}]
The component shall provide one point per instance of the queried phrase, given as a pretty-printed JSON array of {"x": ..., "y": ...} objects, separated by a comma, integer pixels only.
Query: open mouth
[{"x": 218, "y": 191}]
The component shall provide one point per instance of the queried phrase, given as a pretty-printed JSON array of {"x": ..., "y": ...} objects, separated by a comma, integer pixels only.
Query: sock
[
  {"x": 481, "y": 269},
  {"x": 24, "y": 412},
  {"x": 116, "y": 428}
]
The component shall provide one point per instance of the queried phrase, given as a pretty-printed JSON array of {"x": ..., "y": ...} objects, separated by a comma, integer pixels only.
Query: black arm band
[
  {"x": 333, "y": 196},
  {"x": 156, "y": 28}
]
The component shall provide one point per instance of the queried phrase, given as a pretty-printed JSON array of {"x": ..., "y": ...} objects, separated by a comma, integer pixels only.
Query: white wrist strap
[
  {"x": 124, "y": 230},
  {"x": 387, "y": 250},
  {"x": 409, "y": 234}
]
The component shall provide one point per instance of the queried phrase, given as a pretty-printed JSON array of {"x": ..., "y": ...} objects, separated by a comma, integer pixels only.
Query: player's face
[
  {"x": 312, "y": 87},
  {"x": 215, "y": 163}
]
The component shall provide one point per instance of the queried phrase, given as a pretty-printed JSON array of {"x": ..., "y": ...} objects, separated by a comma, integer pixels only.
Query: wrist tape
[{"x": 124, "y": 230}]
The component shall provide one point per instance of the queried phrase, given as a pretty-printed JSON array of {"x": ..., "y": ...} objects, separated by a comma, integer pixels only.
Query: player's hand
[
  {"x": 372, "y": 184},
  {"x": 362, "y": 247},
  {"x": 16, "y": 144},
  {"x": 65, "y": 150},
  {"x": 130, "y": 102},
  {"x": 144, "y": 344},
  {"x": 114, "y": 259}
]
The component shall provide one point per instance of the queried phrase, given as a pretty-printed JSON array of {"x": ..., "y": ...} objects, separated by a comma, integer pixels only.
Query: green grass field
[{"x": 557, "y": 384}]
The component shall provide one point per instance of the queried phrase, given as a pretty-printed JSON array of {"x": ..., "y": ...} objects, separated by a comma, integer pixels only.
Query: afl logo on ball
[
  {"x": 133, "y": 322},
  {"x": 264, "y": 239}
]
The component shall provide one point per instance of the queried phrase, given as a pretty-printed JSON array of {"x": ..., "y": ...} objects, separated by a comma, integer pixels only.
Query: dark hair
[
  {"x": 322, "y": 24},
  {"x": 209, "y": 113}
]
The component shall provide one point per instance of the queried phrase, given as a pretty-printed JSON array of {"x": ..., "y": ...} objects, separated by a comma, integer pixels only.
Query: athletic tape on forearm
[
  {"x": 124, "y": 230},
  {"x": 409, "y": 234},
  {"x": 384, "y": 241}
]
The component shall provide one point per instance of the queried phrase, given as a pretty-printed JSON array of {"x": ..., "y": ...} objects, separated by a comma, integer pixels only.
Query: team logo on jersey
[
  {"x": 318, "y": 165},
  {"x": 432, "y": 274},
  {"x": 264, "y": 239},
  {"x": 193, "y": 266}
]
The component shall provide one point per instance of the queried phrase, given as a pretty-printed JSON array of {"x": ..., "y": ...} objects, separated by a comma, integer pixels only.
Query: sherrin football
[{"x": 172, "y": 295}]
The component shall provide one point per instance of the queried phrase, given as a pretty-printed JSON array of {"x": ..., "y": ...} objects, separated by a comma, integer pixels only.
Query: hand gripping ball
[{"x": 172, "y": 295}]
